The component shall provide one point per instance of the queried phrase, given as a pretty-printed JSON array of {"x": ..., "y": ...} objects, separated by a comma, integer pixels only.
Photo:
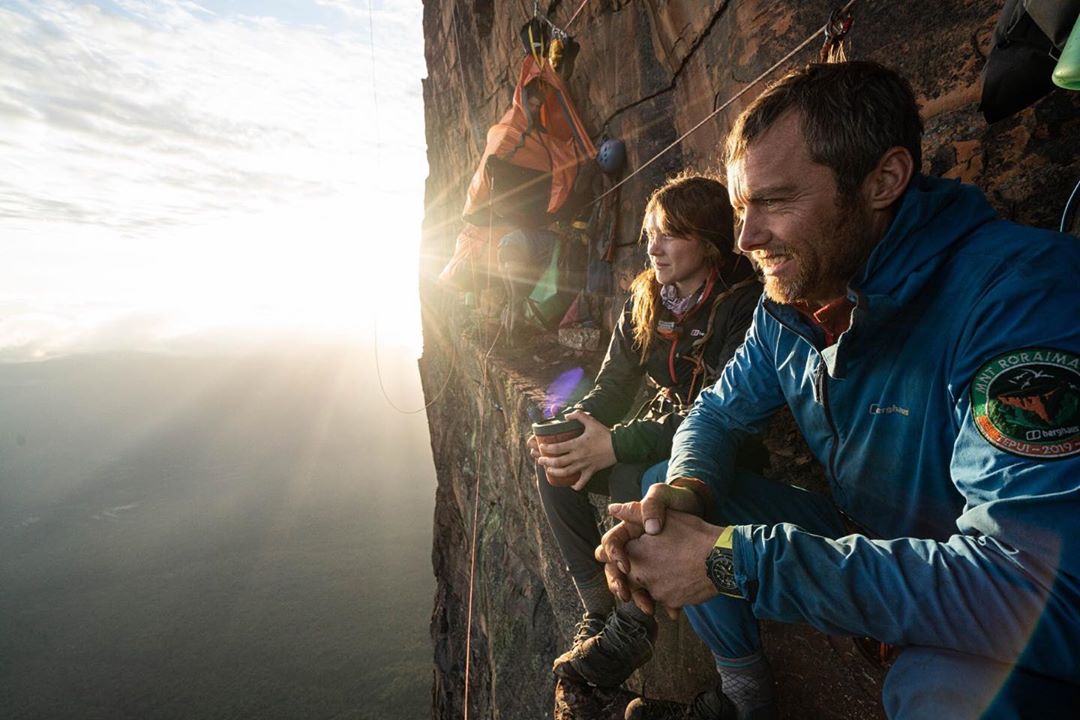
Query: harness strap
[
  {"x": 697, "y": 349},
  {"x": 666, "y": 395},
  {"x": 709, "y": 284}
]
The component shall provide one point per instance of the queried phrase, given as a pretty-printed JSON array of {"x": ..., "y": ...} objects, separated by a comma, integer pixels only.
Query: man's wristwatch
[{"x": 720, "y": 565}]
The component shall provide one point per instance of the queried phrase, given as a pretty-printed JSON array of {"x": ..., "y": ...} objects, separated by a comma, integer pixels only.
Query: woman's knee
[{"x": 655, "y": 474}]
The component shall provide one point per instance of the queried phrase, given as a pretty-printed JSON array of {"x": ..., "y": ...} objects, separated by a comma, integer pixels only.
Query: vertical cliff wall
[{"x": 648, "y": 70}]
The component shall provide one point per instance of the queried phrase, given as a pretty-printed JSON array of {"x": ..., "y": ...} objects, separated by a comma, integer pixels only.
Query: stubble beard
[
  {"x": 823, "y": 276},
  {"x": 790, "y": 290}
]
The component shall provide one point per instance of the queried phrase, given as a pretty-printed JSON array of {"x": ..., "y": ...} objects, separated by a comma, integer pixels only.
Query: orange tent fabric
[
  {"x": 557, "y": 144},
  {"x": 469, "y": 258}
]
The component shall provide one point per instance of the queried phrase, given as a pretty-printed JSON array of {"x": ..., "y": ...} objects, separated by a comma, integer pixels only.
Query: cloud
[
  {"x": 143, "y": 138},
  {"x": 167, "y": 110}
]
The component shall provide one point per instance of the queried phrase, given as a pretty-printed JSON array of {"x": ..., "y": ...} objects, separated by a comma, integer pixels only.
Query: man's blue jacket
[{"x": 947, "y": 418}]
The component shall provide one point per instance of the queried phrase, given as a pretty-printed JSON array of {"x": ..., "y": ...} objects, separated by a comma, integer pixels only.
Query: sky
[{"x": 186, "y": 175}]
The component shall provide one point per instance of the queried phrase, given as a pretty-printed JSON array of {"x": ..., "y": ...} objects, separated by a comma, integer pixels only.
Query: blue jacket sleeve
[
  {"x": 1006, "y": 584},
  {"x": 738, "y": 404}
]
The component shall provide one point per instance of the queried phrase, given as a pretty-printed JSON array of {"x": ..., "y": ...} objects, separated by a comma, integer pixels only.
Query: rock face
[{"x": 647, "y": 72}]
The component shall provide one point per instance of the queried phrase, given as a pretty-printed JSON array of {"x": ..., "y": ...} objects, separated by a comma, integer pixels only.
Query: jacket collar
[{"x": 933, "y": 216}]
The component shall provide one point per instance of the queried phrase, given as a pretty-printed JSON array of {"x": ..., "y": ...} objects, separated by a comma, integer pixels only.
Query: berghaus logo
[{"x": 879, "y": 409}]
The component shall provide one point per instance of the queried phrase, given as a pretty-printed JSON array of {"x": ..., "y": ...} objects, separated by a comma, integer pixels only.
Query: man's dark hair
[{"x": 852, "y": 112}]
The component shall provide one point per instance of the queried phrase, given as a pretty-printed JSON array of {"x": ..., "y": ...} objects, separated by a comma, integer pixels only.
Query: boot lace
[
  {"x": 622, "y": 634},
  {"x": 588, "y": 626}
]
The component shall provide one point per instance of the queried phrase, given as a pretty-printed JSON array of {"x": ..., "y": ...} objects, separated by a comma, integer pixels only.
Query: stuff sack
[
  {"x": 1027, "y": 41},
  {"x": 537, "y": 158}
]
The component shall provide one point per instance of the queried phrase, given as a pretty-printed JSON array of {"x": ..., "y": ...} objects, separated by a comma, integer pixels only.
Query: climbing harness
[
  {"x": 702, "y": 371},
  {"x": 772, "y": 68}
]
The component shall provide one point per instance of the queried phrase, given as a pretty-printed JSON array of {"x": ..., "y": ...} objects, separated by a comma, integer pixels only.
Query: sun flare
[{"x": 253, "y": 185}]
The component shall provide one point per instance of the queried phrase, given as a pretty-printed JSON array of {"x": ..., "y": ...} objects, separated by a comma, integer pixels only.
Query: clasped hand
[
  {"x": 656, "y": 553},
  {"x": 588, "y": 453}
]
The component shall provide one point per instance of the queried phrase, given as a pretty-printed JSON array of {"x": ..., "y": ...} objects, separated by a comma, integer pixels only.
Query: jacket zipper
[{"x": 821, "y": 393}]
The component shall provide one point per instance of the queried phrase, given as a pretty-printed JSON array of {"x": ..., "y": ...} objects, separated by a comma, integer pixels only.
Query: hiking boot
[
  {"x": 588, "y": 626},
  {"x": 609, "y": 657},
  {"x": 711, "y": 705}
]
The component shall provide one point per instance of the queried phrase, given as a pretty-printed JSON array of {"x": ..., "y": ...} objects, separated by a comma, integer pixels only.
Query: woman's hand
[{"x": 587, "y": 454}]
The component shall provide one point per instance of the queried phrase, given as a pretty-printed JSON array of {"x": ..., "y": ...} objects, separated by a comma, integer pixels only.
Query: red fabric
[
  {"x": 834, "y": 317},
  {"x": 551, "y": 148},
  {"x": 469, "y": 259}
]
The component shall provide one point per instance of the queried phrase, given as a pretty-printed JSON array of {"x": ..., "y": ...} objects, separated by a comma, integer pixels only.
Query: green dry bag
[{"x": 1067, "y": 73}]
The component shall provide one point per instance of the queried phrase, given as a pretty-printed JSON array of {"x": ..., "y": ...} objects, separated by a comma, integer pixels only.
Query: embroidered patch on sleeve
[{"x": 1027, "y": 402}]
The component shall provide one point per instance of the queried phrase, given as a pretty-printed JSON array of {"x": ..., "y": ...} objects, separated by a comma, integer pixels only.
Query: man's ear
[{"x": 889, "y": 178}]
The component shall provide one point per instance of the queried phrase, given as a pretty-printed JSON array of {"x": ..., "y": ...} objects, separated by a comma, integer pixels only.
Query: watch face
[{"x": 720, "y": 566}]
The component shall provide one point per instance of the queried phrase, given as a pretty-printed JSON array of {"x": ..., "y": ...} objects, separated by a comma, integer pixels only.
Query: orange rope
[
  {"x": 472, "y": 560},
  {"x": 475, "y": 526},
  {"x": 479, "y": 446}
]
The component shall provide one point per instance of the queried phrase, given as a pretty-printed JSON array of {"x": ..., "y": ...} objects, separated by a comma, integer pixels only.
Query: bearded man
[{"x": 930, "y": 354}]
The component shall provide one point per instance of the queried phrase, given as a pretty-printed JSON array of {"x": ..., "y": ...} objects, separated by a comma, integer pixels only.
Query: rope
[
  {"x": 382, "y": 387},
  {"x": 375, "y": 322},
  {"x": 374, "y": 89},
  {"x": 730, "y": 100},
  {"x": 576, "y": 13},
  {"x": 475, "y": 527},
  {"x": 472, "y": 555},
  {"x": 1070, "y": 209},
  {"x": 479, "y": 444}
]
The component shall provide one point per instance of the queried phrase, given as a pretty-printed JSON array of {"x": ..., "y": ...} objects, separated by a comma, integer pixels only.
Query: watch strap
[{"x": 720, "y": 565}]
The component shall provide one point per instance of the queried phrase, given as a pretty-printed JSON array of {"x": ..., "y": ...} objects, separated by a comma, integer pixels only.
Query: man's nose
[{"x": 752, "y": 234}]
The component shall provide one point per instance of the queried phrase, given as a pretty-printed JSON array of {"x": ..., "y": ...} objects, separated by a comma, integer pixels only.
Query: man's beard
[
  {"x": 823, "y": 275},
  {"x": 793, "y": 289}
]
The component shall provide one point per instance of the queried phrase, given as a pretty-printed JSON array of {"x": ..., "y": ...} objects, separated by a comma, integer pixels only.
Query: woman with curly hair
[{"x": 687, "y": 313}]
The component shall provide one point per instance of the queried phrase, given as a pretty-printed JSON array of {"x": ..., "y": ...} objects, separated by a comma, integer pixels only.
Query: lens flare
[{"x": 561, "y": 391}]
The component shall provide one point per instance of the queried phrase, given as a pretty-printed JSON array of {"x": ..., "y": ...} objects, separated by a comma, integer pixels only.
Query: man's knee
[{"x": 934, "y": 683}]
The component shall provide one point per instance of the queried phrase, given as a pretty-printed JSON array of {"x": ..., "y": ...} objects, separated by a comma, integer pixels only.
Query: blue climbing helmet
[{"x": 612, "y": 156}]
